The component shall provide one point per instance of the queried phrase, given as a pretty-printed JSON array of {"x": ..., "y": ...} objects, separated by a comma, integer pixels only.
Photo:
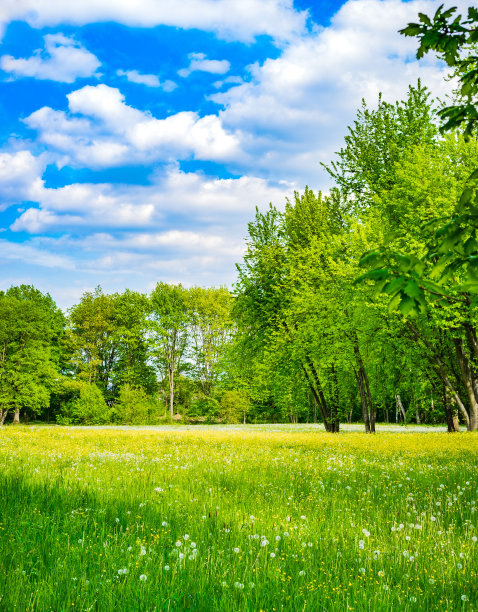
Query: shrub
[
  {"x": 134, "y": 406},
  {"x": 89, "y": 407}
]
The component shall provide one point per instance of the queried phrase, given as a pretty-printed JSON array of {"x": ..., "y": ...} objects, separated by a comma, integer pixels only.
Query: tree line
[{"x": 354, "y": 305}]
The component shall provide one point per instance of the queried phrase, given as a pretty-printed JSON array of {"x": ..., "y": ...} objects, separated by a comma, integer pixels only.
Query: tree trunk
[
  {"x": 3, "y": 416},
  {"x": 171, "y": 391},
  {"x": 439, "y": 367},
  {"x": 16, "y": 416},
  {"x": 470, "y": 382},
  {"x": 451, "y": 414},
  {"x": 331, "y": 422},
  {"x": 400, "y": 408},
  {"x": 368, "y": 412}
]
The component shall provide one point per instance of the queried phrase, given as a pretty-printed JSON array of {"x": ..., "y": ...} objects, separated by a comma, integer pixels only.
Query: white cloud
[
  {"x": 11, "y": 251},
  {"x": 150, "y": 80},
  {"x": 194, "y": 198},
  {"x": 110, "y": 133},
  {"x": 230, "y": 19},
  {"x": 63, "y": 60},
  {"x": 293, "y": 112},
  {"x": 19, "y": 172},
  {"x": 200, "y": 63}
]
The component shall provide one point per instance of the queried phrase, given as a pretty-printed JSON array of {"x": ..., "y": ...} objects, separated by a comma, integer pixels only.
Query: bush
[
  {"x": 134, "y": 406},
  {"x": 235, "y": 406},
  {"x": 89, "y": 407},
  {"x": 205, "y": 406}
]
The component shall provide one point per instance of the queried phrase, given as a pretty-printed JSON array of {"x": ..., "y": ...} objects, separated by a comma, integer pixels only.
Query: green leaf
[
  {"x": 425, "y": 19},
  {"x": 394, "y": 302},
  {"x": 378, "y": 274},
  {"x": 412, "y": 289},
  {"x": 466, "y": 196},
  {"x": 407, "y": 305},
  {"x": 394, "y": 285}
]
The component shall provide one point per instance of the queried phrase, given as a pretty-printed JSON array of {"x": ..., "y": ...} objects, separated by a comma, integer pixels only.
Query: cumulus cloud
[
  {"x": 108, "y": 132},
  {"x": 63, "y": 60},
  {"x": 150, "y": 80},
  {"x": 195, "y": 198},
  {"x": 11, "y": 251},
  {"x": 200, "y": 63},
  {"x": 293, "y": 111},
  {"x": 229, "y": 19},
  {"x": 182, "y": 228},
  {"x": 19, "y": 173}
]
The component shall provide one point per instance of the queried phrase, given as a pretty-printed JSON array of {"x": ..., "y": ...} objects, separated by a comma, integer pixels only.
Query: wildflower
[
  {"x": 142, "y": 552},
  {"x": 406, "y": 554},
  {"x": 224, "y": 584},
  {"x": 431, "y": 581},
  {"x": 238, "y": 585},
  {"x": 361, "y": 544},
  {"x": 185, "y": 536},
  {"x": 179, "y": 543},
  {"x": 143, "y": 577},
  {"x": 303, "y": 517},
  {"x": 164, "y": 524},
  {"x": 362, "y": 570},
  {"x": 237, "y": 550},
  {"x": 166, "y": 568},
  {"x": 122, "y": 571},
  {"x": 272, "y": 555},
  {"x": 286, "y": 535},
  {"x": 474, "y": 538},
  {"x": 181, "y": 555},
  {"x": 366, "y": 533},
  {"x": 264, "y": 543},
  {"x": 464, "y": 597},
  {"x": 301, "y": 573},
  {"x": 277, "y": 538},
  {"x": 193, "y": 545}
]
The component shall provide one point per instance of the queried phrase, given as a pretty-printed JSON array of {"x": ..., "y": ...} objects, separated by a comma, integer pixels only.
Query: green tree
[
  {"x": 169, "y": 326},
  {"x": 210, "y": 327},
  {"x": 30, "y": 330}
]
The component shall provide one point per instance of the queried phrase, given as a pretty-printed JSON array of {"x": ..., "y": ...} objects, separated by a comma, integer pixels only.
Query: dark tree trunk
[
  {"x": 368, "y": 412},
  {"x": 16, "y": 416},
  {"x": 451, "y": 414},
  {"x": 470, "y": 382}
]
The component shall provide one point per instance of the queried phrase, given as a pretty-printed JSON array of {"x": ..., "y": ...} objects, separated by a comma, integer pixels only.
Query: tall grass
[{"x": 246, "y": 519}]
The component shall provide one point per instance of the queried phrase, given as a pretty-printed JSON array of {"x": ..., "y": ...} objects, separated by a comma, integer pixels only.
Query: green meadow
[{"x": 237, "y": 518}]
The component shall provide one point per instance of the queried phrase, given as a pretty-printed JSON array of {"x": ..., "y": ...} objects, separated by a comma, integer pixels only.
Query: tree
[
  {"x": 30, "y": 328},
  {"x": 210, "y": 327},
  {"x": 170, "y": 319},
  {"x": 92, "y": 334},
  {"x": 441, "y": 274}
]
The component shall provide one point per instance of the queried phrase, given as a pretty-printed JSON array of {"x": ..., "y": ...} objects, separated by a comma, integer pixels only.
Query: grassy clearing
[{"x": 237, "y": 519}]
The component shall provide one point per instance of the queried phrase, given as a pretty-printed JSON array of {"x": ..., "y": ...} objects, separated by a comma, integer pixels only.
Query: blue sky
[{"x": 137, "y": 138}]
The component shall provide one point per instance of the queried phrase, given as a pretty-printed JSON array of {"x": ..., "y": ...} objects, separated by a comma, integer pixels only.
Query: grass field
[{"x": 246, "y": 518}]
